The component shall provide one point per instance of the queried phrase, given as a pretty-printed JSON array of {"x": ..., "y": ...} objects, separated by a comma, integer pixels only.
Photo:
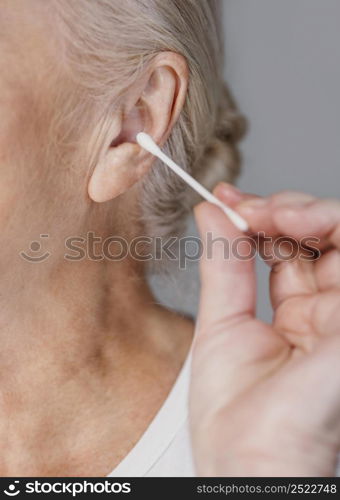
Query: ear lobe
[{"x": 114, "y": 173}]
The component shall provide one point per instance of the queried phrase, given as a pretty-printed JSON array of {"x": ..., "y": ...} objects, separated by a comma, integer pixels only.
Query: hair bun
[{"x": 221, "y": 158}]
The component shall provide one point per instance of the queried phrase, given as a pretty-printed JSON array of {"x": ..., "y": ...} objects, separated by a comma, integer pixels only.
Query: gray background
[{"x": 282, "y": 64}]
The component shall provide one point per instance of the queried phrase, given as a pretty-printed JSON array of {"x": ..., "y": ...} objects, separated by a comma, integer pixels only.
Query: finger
[
  {"x": 256, "y": 209},
  {"x": 292, "y": 269},
  {"x": 301, "y": 274},
  {"x": 261, "y": 213},
  {"x": 308, "y": 247},
  {"x": 230, "y": 194},
  {"x": 327, "y": 270},
  {"x": 321, "y": 368},
  {"x": 233, "y": 197},
  {"x": 304, "y": 320},
  {"x": 294, "y": 214},
  {"x": 292, "y": 272},
  {"x": 275, "y": 250},
  {"x": 320, "y": 218},
  {"x": 227, "y": 280},
  {"x": 291, "y": 279}
]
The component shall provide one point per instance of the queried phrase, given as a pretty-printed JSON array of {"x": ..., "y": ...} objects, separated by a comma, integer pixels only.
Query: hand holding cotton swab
[{"x": 147, "y": 143}]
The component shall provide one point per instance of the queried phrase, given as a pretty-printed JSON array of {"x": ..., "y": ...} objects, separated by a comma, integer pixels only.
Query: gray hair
[{"x": 109, "y": 42}]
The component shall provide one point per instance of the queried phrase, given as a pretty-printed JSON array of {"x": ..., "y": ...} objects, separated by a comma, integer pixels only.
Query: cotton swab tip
[
  {"x": 236, "y": 219},
  {"x": 146, "y": 142}
]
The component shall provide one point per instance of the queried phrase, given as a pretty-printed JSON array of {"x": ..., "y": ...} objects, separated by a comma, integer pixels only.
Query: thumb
[{"x": 227, "y": 270}]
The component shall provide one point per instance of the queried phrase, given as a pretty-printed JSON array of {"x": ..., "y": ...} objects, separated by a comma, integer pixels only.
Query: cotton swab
[{"x": 146, "y": 142}]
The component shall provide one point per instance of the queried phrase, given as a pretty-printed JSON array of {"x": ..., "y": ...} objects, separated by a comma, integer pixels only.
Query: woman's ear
[{"x": 153, "y": 106}]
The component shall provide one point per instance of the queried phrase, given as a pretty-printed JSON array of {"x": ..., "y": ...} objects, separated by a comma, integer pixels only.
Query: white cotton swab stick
[{"x": 146, "y": 142}]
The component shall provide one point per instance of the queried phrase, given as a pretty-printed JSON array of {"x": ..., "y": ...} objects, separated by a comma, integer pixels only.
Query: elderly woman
[{"x": 94, "y": 373}]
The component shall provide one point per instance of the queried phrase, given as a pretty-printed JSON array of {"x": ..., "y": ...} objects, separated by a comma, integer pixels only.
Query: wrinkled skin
[{"x": 265, "y": 398}]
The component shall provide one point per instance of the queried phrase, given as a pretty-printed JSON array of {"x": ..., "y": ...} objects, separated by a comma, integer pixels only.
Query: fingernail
[
  {"x": 228, "y": 193},
  {"x": 225, "y": 187},
  {"x": 254, "y": 203}
]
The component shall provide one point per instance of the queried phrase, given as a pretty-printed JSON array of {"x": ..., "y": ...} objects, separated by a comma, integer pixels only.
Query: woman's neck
[
  {"x": 83, "y": 332},
  {"x": 74, "y": 309}
]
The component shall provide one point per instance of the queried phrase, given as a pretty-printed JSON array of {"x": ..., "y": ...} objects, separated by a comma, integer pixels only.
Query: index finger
[{"x": 294, "y": 214}]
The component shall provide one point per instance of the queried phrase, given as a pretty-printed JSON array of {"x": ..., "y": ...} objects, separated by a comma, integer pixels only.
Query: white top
[{"x": 164, "y": 450}]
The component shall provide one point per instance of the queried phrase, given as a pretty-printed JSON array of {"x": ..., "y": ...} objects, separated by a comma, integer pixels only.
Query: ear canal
[{"x": 132, "y": 123}]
